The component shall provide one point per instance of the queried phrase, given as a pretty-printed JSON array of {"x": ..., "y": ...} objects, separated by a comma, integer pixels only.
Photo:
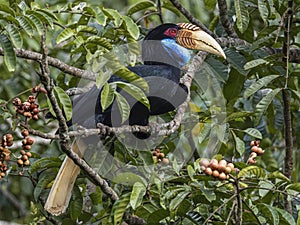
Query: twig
[
  {"x": 217, "y": 209},
  {"x": 191, "y": 18},
  {"x": 251, "y": 210},
  {"x": 239, "y": 205},
  {"x": 225, "y": 20},
  {"x": 159, "y": 11},
  {"x": 230, "y": 213}
]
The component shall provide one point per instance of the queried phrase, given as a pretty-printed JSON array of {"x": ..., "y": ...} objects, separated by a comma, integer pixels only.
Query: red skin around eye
[{"x": 171, "y": 32}]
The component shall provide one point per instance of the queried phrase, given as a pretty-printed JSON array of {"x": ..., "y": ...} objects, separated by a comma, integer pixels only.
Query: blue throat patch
[{"x": 179, "y": 54}]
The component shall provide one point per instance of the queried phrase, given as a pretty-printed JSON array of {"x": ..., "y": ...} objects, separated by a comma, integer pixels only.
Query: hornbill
[{"x": 164, "y": 53}]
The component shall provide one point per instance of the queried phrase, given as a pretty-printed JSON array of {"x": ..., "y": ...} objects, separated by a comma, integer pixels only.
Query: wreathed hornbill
[{"x": 164, "y": 53}]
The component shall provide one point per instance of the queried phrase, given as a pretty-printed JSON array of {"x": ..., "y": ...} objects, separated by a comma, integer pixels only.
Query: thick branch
[
  {"x": 63, "y": 128},
  {"x": 22, "y": 53},
  {"x": 288, "y": 133},
  {"x": 225, "y": 20}
]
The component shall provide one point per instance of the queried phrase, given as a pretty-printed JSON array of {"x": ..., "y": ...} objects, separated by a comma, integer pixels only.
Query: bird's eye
[{"x": 171, "y": 32}]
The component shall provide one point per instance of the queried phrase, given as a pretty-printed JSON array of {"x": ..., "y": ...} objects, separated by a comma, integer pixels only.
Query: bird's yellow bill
[{"x": 193, "y": 37}]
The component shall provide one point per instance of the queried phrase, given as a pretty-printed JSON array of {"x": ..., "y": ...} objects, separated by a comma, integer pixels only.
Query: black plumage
[{"x": 161, "y": 70}]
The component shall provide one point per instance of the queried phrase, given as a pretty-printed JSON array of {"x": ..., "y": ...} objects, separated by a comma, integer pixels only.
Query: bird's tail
[{"x": 61, "y": 191}]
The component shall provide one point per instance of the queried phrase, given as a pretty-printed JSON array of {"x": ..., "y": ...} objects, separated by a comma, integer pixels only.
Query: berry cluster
[
  {"x": 26, "y": 146},
  {"x": 159, "y": 157},
  {"x": 255, "y": 151},
  {"x": 219, "y": 169},
  {"x": 29, "y": 109},
  {"x": 6, "y": 141}
]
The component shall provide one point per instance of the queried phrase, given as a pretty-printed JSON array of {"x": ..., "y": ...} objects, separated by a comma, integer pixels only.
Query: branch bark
[
  {"x": 288, "y": 133},
  {"x": 225, "y": 20},
  {"x": 65, "y": 142}
]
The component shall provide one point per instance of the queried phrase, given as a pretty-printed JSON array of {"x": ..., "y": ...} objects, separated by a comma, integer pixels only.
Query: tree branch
[
  {"x": 288, "y": 133},
  {"x": 225, "y": 20},
  {"x": 63, "y": 128}
]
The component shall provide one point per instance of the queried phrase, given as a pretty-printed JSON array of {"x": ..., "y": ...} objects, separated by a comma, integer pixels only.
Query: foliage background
[{"x": 254, "y": 109}]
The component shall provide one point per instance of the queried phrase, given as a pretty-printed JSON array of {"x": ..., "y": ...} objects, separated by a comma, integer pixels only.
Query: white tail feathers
[{"x": 61, "y": 191}]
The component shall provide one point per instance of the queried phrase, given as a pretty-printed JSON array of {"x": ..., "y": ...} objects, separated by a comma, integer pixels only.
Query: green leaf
[
  {"x": 107, "y": 96},
  {"x": 259, "y": 84},
  {"x": 86, "y": 29},
  {"x": 238, "y": 115},
  {"x": 64, "y": 101},
  {"x": 239, "y": 144},
  {"x": 36, "y": 22},
  {"x": 102, "y": 78},
  {"x": 9, "y": 53},
  {"x": 236, "y": 60},
  {"x": 123, "y": 106},
  {"x": 6, "y": 9},
  {"x": 191, "y": 172},
  {"x": 265, "y": 188},
  {"x": 254, "y": 63},
  {"x": 137, "y": 194},
  {"x": 242, "y": 15},
  {"x": 155, "y": 217},
  {"x": 132, "y": 77},
  {"x": 44, "y": 163},
  {"x": 263, "y": 10},
  {"x": 209, "y": 194},
  {"x": 278, "y": 175},
  {"x": 99, "y": 41},
  {"x": 96, "y": 197},
  {"x": 43, "y": 17},
  {"x": 48, "y": 13},
  {"x": 270, "y": 212},
  {"x": 14, "y": 35},
  {"x": 140, "y": 6},
  {"x": 253, "y": 132},
  {"x": 263, "y": 104},
  {"x": 285, "y": 217},
  {"x": 215, "y": 70},
  {"x": 252, "y": 171},
  {"x": 25, "y": 24},
  {"x": 119, "y": 208},
  {"x": 210, "y": 4},
  {"x": 76, "y": 203},
  {"x": 128, "y": 178},
  {"x": 43, "y": 182},
  {"x": 294, "y": 187},
  {"x": 132, "y": 27},
  {"x": 64, "y": 35},
  {"x": 175, "y": 202},
  {"x": 113, "y": 15},
  {"x": 135, "y": 92}
]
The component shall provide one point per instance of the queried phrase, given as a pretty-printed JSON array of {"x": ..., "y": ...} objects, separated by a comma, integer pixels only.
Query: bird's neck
[{"x": 164, "y": 52}]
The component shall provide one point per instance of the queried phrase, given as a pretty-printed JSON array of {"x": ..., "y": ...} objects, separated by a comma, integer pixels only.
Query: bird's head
[{"x": 169, "y": 44}]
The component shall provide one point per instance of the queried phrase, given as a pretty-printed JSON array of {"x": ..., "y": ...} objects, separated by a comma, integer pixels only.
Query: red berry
[
  {"x": 222, "y": 176},
  {"x": 213, "y": 164},
  {"x": 25, "y": 133},
  {"x": 208, "y": 171},
  {"x": 29, "y": 140},
  {"x": 215, "y": 173},
  {"x": 204, "y": 162}
]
